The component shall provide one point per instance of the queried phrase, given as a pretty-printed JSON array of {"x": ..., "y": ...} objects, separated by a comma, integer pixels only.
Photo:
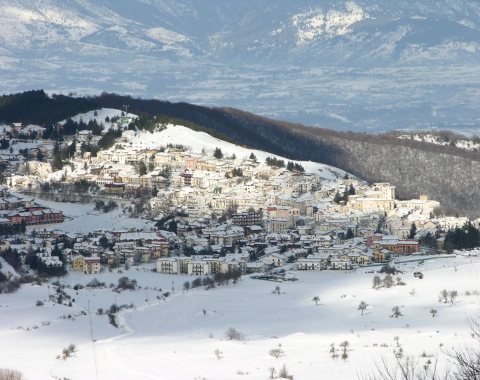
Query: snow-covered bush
[
  {"x": 197, "y": 282},
  {"x": 124, "y": 283},
  {"x": 67, "y": 352},
  {"x": 233, "y": 334},
  {"x": 9, "y": 286},
  {"x": 95, "y": 284}
]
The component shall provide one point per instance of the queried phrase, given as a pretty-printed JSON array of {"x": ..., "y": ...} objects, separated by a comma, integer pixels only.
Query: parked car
[{"x": 418, "y": 275}]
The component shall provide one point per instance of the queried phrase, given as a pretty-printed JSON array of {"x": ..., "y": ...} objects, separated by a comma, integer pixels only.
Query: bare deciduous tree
[
  {"x": 396, "y": 312},
  {"x": 363, "y": 306},
  {"x": 344, "y": 346},
  {"x": 452, "y": 294},
  {"x": 404, "y": 369},
  {"x": 467, "y": 360},
  {"x": 284, "y": 373},
  {"x": 272, "y": 372},
  {"x": 388, "y": 281},
  {"x": 465, "y": 363},
  {"x": 10, "y": 374},
  {"x": 276, "y": 352},
  {"x": 333, "y": 352},
  {"x": 443, "y": 296}
]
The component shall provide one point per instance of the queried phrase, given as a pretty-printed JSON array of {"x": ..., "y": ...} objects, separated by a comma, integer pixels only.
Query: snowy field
[
  {"x": 81, "y": 217},
  {"x": 183, "y": 336}
]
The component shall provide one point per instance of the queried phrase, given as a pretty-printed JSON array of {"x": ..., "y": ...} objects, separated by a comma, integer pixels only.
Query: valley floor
[{"x": 183, "y": 335}]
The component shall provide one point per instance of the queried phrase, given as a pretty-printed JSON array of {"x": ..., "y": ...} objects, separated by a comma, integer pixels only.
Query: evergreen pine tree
[
  {"x": 351, "y": 190},
  {"x": 142, "y": 168},
  {"x": 172, "y": 226},
  {"x": 350, "y": 234},
  {"x": 218, "y": 154},
  {"x": 337, "y": 198},
  {"x": 413, "y": 231}
]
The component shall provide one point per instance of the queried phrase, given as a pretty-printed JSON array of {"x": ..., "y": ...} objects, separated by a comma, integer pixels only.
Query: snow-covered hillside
[
  {"x": 183, "y": 336},
  {"x": 310, "y": 25},
  {"x": 187, "y": 28},
  {"x": 459, "y": 142},
  {"x": 31, "y": 24},
  {"x": 101, "y": 115},
  {"x": 108, "y": 117},
  {"x": 198, "y": 141},
  {"x": 7, "y": 270}
]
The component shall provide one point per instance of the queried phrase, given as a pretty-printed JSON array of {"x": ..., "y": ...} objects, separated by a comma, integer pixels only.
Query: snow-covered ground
[
  {"x": 18, "y": 146},
  {"x": 466, "y": 144},
  {"x": 82, "y": 217},
  {"x": 176, "y": 339},
  {"x": 101, "y": 115},
  {"x": 198, "y": 141},
  {"x": 7, "y": 269}
]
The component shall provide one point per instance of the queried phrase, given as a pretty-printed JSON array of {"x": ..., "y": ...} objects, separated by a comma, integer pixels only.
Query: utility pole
[{"x": 92, "y": 339}]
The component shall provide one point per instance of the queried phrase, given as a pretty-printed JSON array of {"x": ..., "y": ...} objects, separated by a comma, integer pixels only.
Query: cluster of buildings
[
  {"x": 20, "y": 210},
  {"x": 239, "y": 214},
  {"x": 20, "y": 144},
  {"x": 113, "y": 248},
  {"x": 90, "y": 253}
]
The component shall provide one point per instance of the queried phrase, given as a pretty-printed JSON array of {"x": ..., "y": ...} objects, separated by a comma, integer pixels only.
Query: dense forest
[
  {"x": 444, "y": 173},
  {"x": 37, "y": 107}
]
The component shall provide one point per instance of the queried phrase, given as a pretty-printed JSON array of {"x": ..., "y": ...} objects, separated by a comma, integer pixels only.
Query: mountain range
[
  {"x": 356, "y": 65},
  {"x": 258, "y": 31}
]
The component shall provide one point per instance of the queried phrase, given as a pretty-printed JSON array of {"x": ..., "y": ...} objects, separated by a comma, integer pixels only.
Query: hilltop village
[{"x": 214, "y": 207}]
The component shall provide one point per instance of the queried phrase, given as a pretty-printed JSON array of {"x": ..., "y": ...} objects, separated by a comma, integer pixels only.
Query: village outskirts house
[
  {"x": 168, "y": 265},
  {"x": 78, "y": 263},
  {"x": 313, "y": 262},
  {"x": 92, "y": 265},
  {"x": 198, "y": 268}
]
